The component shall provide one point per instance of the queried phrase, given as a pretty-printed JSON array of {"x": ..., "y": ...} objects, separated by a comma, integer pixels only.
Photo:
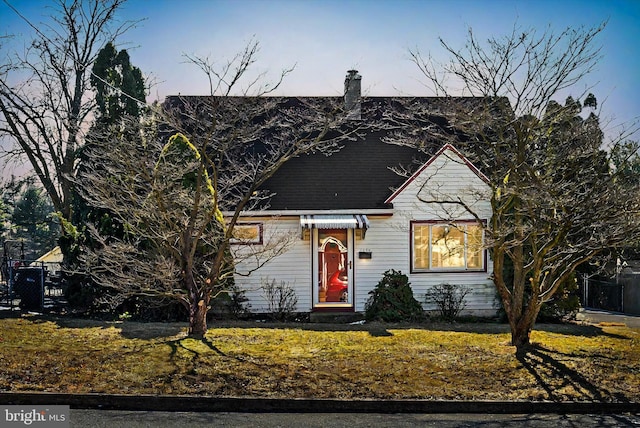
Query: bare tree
[
  {"x": 556, "y": 204},
  {"x": 180, "y": 200},
  {"x": 46, "y": 102}
]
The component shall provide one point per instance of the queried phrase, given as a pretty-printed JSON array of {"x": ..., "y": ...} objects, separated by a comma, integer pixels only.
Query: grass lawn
[{"x": 428, "y": 361}]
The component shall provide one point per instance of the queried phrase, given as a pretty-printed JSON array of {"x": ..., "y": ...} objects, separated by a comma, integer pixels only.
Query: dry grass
[{"x": 464, "y": 361}]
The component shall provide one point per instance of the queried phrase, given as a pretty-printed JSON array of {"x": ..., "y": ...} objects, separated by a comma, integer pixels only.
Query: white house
[{"x": 341, "y": 221}]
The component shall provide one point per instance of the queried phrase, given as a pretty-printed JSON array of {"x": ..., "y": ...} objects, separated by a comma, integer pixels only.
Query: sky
[{"x": 325, "y": 38}]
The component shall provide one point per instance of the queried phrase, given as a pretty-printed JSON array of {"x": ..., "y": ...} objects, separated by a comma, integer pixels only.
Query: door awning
[{"x": 335, "y": 221}]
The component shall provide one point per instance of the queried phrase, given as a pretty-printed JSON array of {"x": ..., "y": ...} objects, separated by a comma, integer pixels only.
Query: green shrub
[
  {"x": 231, "y": 304},
  {"x": 564, "y": 304},
  {"x": 392, "y": 300}
]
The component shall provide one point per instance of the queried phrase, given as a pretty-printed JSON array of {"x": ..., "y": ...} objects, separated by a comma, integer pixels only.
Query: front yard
[{"x": 428, "y": 361}]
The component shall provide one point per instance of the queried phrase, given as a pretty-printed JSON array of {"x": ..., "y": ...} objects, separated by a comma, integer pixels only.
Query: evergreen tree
[
  {"x": 120, "y": 95},
  {"x": 32, "y": 222},
  {"x": 120, "y": 87}
]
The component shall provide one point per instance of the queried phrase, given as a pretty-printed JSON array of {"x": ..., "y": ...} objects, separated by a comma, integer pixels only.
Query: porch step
[{"x": 336, "y": 317}]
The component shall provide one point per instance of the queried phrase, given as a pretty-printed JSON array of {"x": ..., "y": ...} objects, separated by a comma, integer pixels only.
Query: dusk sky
[{"x": 324, "y": 39}]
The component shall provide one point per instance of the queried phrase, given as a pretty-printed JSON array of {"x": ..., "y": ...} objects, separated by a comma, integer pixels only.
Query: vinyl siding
[
  {"x": 446, "y": 178},
  {"x": 388, "y": 239},
  {"x": 293, "y": 267}
]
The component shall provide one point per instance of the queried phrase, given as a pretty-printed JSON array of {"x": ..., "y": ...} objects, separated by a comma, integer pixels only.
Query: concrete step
[{"x": 336, "y": 317}]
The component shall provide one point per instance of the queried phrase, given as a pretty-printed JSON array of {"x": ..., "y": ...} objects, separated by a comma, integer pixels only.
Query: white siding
[
  {"x": 446, "y": 178},
  {"x": 293, "y": 267}
]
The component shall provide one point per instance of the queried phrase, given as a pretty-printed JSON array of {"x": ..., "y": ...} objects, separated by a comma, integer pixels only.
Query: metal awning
[{"x": 335, "y": 221}]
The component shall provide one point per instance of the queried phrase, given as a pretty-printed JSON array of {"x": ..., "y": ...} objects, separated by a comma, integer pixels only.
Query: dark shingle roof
[{"x": 359, "y": 176}]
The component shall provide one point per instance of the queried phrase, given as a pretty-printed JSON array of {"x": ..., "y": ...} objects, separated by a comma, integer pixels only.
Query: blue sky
[{"x": 326, "y": 38}]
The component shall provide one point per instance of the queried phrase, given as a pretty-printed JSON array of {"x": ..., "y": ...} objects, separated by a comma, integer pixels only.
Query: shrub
[
  {"x": 449, "y": 299},
  {"x": 392, "y": 300},
  {"x": 80, "y": 296},
  {"x": 152, "y": 309},
  {"x": 281, "y": 299},
  {"x": 564, "y": 304},
  {"x": 231, "y": 304}
]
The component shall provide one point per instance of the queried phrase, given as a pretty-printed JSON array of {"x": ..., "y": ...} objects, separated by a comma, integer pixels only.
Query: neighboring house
[{"x": 351, "y": 218}]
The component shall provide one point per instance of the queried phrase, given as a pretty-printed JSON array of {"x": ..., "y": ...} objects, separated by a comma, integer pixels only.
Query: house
[{"x": 350, "y": 217}]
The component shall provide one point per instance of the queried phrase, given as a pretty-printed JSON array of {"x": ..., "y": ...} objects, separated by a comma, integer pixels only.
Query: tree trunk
[
  {"x": 522, "y": 326},
  {"x": 198, "y": 317},
  {"x": 520, "y": 334}
]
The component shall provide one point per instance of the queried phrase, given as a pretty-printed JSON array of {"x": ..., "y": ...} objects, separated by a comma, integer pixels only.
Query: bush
[
  {"x": 152, "y": 309},
  {"x": 564, "y": 304},
  {"x": 230, "y": 304},
  {"x": 392, "y": 300},
  {"x": 80, "y": 295},
  {"x": 449, "y": 299},
  {"x": 281, "y": 299},
  {"x": 87, "y": 298}
]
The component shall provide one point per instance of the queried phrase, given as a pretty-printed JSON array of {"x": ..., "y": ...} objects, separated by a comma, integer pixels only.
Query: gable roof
[
  {"x": 361, "y": 174},
  {"x": 443, "y": 149}
]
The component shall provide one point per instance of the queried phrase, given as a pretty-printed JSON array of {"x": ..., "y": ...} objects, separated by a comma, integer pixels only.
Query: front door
[{"x": 333, "y": 268}]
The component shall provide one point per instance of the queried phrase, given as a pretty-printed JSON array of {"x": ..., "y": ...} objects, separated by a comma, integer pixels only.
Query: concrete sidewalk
[{"x": 595, "y": 316}]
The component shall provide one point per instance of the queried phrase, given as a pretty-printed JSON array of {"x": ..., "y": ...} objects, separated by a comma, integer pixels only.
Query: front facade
[
  {"x": 336, "y": 223},
  {"x": 332, "y": 258}
]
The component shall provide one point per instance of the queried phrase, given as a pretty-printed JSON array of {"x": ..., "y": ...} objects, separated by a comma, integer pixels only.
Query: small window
[
  {"x": 447, "y": 247},
  {"x": 247, "y": 233}
]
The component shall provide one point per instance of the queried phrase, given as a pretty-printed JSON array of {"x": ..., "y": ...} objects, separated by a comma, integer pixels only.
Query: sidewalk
[{"x": 595, "y": 316}]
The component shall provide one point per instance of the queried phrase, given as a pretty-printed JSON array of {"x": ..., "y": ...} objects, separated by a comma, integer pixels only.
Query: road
[{"x": 129, "y": 419}]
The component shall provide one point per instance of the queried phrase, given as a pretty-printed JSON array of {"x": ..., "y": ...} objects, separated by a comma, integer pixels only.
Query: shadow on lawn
[
  {"x": 552, "y": 375},
  {"x": 179, "y": 344},
  {"x": 128, "y": 329},
  {"x": 159, "y": 330},
  {"x": 187, "y": 368},
  {"x": 383, "y": 329}
]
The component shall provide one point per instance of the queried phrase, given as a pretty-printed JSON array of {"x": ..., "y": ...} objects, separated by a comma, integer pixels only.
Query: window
[
  {"x": 447, "y": 247},
  {"x": 247, "y": 233}
]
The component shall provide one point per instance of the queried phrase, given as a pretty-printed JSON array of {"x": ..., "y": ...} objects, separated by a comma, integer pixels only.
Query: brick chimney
[{"x": 353, "y": 95}]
